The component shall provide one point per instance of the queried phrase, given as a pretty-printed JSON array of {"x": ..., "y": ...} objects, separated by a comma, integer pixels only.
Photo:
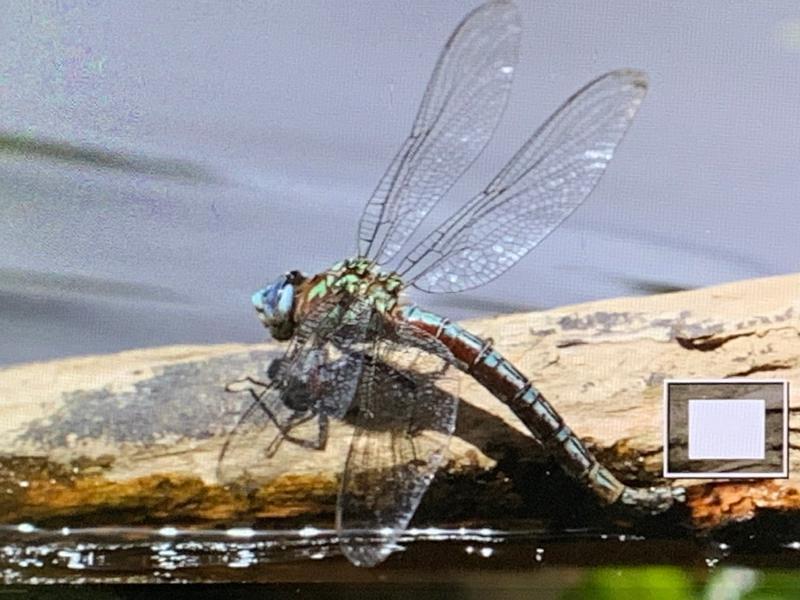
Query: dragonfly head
[{"x": 275, "y": 304}]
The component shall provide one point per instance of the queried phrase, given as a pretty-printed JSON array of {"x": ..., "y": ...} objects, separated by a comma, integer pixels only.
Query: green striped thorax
[{"x": 282, "y": 303}]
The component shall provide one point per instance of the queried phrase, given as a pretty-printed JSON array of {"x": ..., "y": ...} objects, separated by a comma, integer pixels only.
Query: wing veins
[
  {"x": 559, "y": 164},
  {"x": 470, "y": 83}
]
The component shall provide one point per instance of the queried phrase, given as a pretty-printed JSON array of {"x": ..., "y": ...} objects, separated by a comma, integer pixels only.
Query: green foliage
[
  {"x": 673, "y": 583},
  {"x": 642, "y": 583}
]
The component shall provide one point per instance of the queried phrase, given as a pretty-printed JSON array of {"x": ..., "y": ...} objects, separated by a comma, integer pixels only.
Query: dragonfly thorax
[
  {"x": 358, "y": 277},
  {"x": 284, "y": 302}
]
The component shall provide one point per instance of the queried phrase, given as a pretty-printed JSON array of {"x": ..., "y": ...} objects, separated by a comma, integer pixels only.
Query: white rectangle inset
[{"x": 726, "y": 429}]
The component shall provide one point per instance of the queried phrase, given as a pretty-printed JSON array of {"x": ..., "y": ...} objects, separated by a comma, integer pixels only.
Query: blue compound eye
[
  {"x": 285, "y": 299},
  {"x": 274, "y": 305},
  {"x": 258, "y": 300}
]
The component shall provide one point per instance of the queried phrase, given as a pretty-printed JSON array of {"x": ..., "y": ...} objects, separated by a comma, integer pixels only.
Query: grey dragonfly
[{"x": 357, "y": 351}]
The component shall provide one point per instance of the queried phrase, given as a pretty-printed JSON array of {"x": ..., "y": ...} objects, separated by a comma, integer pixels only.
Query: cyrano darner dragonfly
[{"x": 357, "y": 351}]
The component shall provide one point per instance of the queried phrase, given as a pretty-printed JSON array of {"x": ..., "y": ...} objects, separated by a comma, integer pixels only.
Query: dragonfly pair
[{"x": 356, "y": 351}]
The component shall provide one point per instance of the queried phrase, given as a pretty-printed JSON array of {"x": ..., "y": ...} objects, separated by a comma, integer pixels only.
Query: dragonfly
[{"x": 359, "y": 351}]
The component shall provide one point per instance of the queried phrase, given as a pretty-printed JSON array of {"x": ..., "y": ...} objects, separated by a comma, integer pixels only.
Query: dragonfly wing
[
  {"x": 405, "y": 412},
  {"x": 462, "y": 105},
  {"x": 548, "y": 178},
  {"x": 317, "y": 378}
]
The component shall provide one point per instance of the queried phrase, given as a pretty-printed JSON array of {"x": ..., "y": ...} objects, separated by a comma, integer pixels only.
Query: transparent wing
[
  {"x": 405, "y": 412},
  {"x": 462, "y": 105},
  {"x": 550, "y": 176},
  {"x": 316, "y": 379}
]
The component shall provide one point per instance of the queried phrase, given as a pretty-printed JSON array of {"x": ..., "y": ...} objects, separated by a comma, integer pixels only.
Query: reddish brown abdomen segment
[{"x": 479, "y": 359}]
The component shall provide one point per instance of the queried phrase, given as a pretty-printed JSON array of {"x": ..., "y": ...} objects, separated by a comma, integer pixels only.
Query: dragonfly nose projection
[{"x": 357, "y": 348}]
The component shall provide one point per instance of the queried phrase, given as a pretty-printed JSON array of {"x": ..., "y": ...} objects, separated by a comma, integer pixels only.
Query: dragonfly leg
[
  {"x": 284, "y": 429},
  {"x": 255, "y": 382},
  {"x": 322, "y": 433},
  {"x": 271, "y": 371}
]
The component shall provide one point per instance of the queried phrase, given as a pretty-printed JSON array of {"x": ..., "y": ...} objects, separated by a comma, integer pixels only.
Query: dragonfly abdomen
[{"x": 479, "y": 359}]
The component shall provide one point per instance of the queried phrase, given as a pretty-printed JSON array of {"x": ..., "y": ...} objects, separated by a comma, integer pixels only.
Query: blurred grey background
[{"x": 159, "y": 161}]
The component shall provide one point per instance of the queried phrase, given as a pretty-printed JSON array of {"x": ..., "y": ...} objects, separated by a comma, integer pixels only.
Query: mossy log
[{"x": 134, "y": 437}]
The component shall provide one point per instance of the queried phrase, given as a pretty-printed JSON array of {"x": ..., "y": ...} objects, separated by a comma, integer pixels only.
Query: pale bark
[{"x": 139, "y": 432}]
